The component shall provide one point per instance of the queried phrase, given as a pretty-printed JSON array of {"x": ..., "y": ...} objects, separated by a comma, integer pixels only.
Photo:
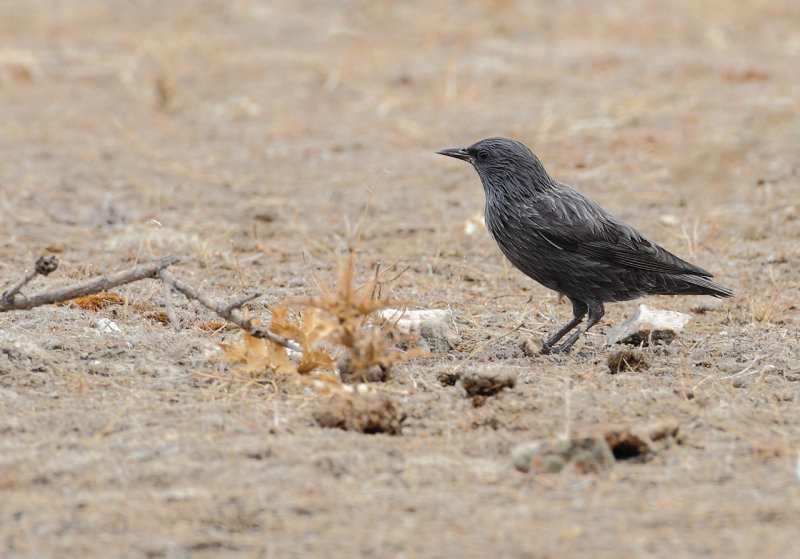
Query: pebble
[{"x": 646, "y": 325}]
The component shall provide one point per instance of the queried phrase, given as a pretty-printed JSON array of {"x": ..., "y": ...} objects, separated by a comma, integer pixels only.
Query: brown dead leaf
[
  {"x": 258, "y": 356},
  {"x": 307, "y": 333}
]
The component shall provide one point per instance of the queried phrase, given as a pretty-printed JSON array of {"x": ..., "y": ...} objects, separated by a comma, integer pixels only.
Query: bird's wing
[{"x": 581, "y": 226}]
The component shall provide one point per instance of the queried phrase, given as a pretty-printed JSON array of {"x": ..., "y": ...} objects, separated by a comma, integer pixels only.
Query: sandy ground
[{"x": 243, "y": 137}]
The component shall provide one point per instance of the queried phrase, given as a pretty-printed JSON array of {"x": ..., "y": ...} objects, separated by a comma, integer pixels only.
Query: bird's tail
[{"x": 705, "y": 286}]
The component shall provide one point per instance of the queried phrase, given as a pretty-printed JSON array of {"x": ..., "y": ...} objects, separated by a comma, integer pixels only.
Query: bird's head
[{"x": 501, "y": 162}]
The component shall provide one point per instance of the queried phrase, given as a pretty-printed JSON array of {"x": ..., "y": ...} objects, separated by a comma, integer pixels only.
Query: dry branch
[
  {"x": 13, "y": 301},
  {"x": 228, "y": 311}
]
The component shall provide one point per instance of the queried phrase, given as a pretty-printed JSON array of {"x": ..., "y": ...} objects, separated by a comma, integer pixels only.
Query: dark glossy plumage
[{"x": 568, "y": 243}]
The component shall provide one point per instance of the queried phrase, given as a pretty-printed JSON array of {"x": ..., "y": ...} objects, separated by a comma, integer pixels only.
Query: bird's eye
[{"x": 483, "y": 155}]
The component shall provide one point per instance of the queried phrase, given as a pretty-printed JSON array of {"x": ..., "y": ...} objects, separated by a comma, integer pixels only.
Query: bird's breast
[{"x": 515, "y": 229}]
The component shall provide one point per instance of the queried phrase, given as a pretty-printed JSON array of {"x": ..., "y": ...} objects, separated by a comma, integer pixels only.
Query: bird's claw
[{"x": 547, "y": 349}]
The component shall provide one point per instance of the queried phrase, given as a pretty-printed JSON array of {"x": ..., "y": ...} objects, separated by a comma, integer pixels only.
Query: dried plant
[
  {"x": 342, "y": 324},
  {"x": 257, "y": 356}
]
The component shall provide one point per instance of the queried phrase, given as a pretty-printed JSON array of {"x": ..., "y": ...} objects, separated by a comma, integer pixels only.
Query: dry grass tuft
[{"x": 764, "y": 308}]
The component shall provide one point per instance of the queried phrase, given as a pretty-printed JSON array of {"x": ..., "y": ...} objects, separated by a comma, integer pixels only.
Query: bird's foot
[{"x": 548, "y": 349}]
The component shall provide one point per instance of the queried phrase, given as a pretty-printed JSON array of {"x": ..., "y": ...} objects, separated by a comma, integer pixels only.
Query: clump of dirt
[
  {"x": 448, "y": 377},
  {"x": 365, "y": 413},
  {"x": 480, "y": 384},
  {"x": 634, "y": 441},
  {"x": 375, "y": 372},
  {"x": 627, "y": 359},
  {"x": 488, "y": 382}
]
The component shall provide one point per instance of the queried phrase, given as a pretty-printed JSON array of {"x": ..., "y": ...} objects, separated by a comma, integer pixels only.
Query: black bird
[{"x": 565, "y": 241}]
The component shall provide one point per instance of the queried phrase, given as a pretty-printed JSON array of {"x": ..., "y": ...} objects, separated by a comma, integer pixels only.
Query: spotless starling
[{"x": 565, "y": 241}]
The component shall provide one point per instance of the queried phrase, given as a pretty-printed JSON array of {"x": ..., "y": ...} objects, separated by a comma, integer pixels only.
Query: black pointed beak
[{"x": 458, "y": 153}]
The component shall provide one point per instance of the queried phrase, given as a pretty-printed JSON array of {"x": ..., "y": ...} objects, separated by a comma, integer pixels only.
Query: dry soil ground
[{"x": 242, "y": 137}]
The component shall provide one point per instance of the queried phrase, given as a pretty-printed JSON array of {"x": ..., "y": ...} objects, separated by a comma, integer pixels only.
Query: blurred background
[{"x": 122, "y": 111}]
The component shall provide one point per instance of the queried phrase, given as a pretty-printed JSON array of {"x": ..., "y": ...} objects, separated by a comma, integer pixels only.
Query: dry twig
[
  {"x": 12, "y": 300},
  {"x": 229, "y": 311}
]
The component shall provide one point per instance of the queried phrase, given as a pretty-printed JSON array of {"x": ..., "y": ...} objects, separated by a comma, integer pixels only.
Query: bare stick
[
  {"x": 237, "y": 303},
  {"x": 228, "y": 312},
  {"x": 12, "y": 300},
  {"x": 14, "y": 289},
  {"x": 18, "y": 302}
]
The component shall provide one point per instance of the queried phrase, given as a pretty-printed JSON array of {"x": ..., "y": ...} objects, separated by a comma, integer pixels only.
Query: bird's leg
[
  {"x": 547, "y": 345},
  {"x": 579, "y": 309},
  {"x": 596, "y": 312}
]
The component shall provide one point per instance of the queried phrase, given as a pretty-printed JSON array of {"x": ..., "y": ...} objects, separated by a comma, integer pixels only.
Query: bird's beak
[{"x": 458, "y": 153}]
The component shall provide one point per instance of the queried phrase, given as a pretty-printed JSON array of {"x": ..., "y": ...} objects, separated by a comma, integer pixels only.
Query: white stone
[
  {"x": 647, "y": 324},
  {"x": 107, "y": 325},
  {"x": 433, "y": 330}
]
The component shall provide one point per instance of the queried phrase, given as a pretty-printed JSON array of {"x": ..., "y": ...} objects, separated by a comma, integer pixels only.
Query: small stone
[
  {"x": 648, "y": 325},
  {"x": 593, "y": 448},
  {"x": 704, "y": 306},
  {"x": 433, "y": 330},
  {"x": 107, "y": 325},
  {"x": 671, "y": 220},
  {"x": 579, "y": 454},
  {"x": 474, "y": 224}
]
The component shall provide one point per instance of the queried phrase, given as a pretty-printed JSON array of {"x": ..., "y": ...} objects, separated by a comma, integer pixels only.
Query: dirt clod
[
  {"x": 349, "y": 374},
  {"x": 46, "y": 265},
  {"x": 627, "y": 359},
  {"x": 633, "y": 441},
  {"x": 365, "y": 413},
  {"x": 530, "y": 348},
  {"x": 448, "y": 377},
  {"x": 488, "y": 382}
]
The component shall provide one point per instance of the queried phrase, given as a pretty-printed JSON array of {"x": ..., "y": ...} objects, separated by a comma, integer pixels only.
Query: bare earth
[{"x": 243, "y": 137}]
